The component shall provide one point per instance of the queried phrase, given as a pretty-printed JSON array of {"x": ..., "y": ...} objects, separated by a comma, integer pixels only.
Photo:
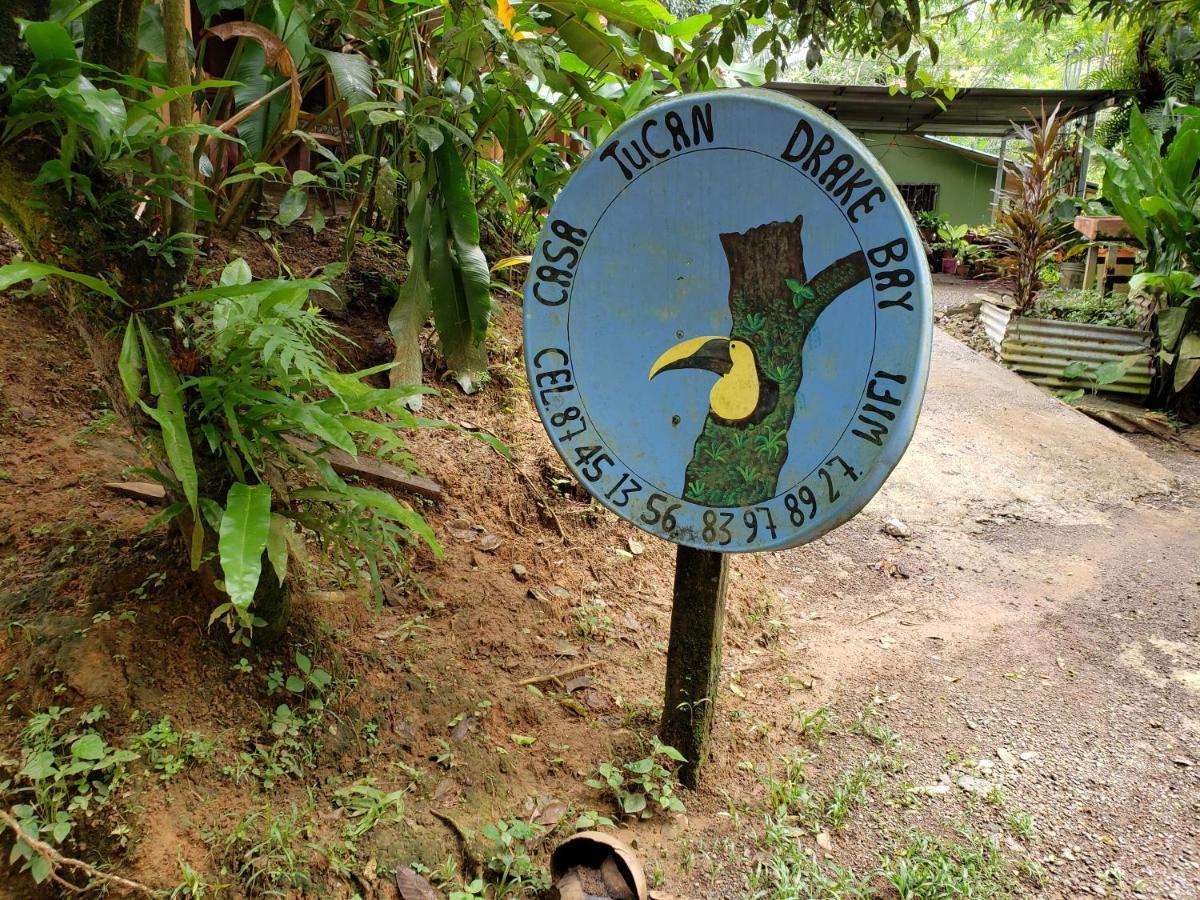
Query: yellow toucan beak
[
  {"x": 711, "y": 353},
  {"x": 736, "y": 396}
]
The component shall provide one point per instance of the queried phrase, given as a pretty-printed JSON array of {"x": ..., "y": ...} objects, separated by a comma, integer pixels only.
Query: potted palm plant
[
  {"x": 1030, "y": 239},
  {"x": 952, "y": 241}
]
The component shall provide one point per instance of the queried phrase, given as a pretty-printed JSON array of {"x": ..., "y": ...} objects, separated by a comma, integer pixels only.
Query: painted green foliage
[{"x": 774, "y": 308}]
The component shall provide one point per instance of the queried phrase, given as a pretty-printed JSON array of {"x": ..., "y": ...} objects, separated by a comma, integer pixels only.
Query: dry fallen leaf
[{"x": 413, "y": 886}]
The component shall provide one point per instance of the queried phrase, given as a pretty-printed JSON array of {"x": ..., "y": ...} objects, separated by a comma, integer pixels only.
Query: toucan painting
[{"x": 742, "y": 446}]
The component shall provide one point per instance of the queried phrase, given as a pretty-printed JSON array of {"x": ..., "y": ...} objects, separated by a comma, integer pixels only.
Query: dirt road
[{"x": 1048, "y": 624}]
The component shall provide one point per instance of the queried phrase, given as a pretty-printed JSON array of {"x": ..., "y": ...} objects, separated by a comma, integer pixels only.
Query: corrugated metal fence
[{"x": 1042, "y": 348}]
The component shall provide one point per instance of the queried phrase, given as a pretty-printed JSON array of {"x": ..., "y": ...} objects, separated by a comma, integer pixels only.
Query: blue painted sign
[{"x": 728, "y": 322}]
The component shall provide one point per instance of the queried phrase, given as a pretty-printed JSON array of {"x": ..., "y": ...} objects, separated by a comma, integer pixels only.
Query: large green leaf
[
  {"x": 459, "y": 279},
  {"x": 411, "y": 310},
  {"x": 374, "y": 498},
  {"x": 169, "y": 414},
  {"x": 243, "y": 538},
  {"x": 1170, "y": 323},
  {"x": 251, "y": 72},
  {"x": 35, "y": 271},
  {"x": 1189, "y": 347},
  {"x": 1185, "y": 371},
  {"x": 278, "y": 538},
  {"x": 687, "y": 29},
  {"x": 647, "y": 14},
  {"x": 51, "y": 44},
  {"x": 463, "y": 219},
  {"x": 130, "y": 364},
  {"x": 1181, "y": 159},
  {"x": 352, "y": 76},
  {"x": 291, "y": 207},
  {"x": 106, "y": 107},
  {"x": 602, "y": 52}
]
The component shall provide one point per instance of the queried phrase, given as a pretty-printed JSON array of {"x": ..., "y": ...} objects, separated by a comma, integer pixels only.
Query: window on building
[{"x": 919, "y": 197}]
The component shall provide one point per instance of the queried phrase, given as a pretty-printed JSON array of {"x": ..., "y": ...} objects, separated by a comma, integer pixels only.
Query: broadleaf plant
[
  {"x": 245, "y": 404},
  {"x": 1154, "y": 185}
]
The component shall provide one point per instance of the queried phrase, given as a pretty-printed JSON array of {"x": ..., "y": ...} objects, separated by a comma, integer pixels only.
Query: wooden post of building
[
  {"x": 694, "y": 656},
  {"x": 1085, "y": 157},
  {"x": 998, "y": 189}
]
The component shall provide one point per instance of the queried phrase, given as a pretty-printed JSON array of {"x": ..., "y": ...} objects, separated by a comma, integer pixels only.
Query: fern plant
[{"x": 245, "y": 403}]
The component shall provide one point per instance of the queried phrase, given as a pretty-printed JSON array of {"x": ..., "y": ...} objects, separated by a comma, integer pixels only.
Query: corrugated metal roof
[{"x": 985, "y": 112}]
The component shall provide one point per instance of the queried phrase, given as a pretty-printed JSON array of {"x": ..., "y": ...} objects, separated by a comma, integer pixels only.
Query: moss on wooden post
[{"x": 694, "y": 656}]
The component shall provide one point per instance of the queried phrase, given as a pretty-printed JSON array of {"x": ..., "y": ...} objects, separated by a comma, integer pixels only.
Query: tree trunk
[
  {"x": 179, "y": 74},
  {"x": 739, "y": 464}
]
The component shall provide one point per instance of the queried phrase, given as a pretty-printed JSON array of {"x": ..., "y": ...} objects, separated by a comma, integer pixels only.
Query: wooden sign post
[
  {"x": 727, "y": 332},
  {"x": 694, "y": 656}
]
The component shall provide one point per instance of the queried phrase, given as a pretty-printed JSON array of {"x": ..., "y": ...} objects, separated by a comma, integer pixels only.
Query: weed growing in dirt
[
  {"x": 290, "y": 747},
  {"x": 921, "y": 865},
  {"x": 589, "y": 819},
  {"x": 193, "y": 885},
  {"x": 367, "y": 806},
  {"x": 789, "y": 794},
  {"x": 592, "y": 621},
  {"x": 640, "y": 787},
  {"x": 512, "y": 873},
  {"x": 848, "y": 793},
  {"x": 1020, "y": 824},
  {"x": 866, "y": 725},
  {"x": 792, "y": 871},
  {"x": 763, "y": 615},
  {"x": 102, "y": 424},
  {"x": 794, "y": 802},
  {"x": 266, "y": 851},
  {"x": 169, "y": 752},
  {"x": 813, "y": 725},
  {"x": 65, "y": 775},
  {"x": 470, "y": 891}
]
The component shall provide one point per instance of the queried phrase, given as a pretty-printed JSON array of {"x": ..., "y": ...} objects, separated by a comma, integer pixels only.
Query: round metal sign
[{"x": 728, "y": 322}]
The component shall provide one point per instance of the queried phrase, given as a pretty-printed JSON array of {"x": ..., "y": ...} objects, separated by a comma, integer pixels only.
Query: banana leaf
[{"x": 245, "y": 528}]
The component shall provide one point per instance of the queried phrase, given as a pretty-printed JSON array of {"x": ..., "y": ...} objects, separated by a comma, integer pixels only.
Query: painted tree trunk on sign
[{"x": 738, "y": 464}]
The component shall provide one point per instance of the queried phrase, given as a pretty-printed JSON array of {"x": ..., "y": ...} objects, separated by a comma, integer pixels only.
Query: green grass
[
  {"x": 913, "y": 863},
  {"x": 268, "y": 852},
  {"x": 813, "y": 725},
  {"x": 923, "y": 866},
  {"x": 791, "y": 871},
  {"x": 1020, "y": 824}
]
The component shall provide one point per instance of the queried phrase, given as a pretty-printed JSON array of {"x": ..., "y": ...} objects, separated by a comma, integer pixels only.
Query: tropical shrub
[
  {"x": 242, "y": 404},
  {"x": 1028, "y": 236},
  {"x": 1176, "y": 299},
  {"x": 1154, "y": 185},
  {"x": 1155, "y": 56},
  {"x": 953, "y": 239},
  {"x": 1085, "y": 306}
]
